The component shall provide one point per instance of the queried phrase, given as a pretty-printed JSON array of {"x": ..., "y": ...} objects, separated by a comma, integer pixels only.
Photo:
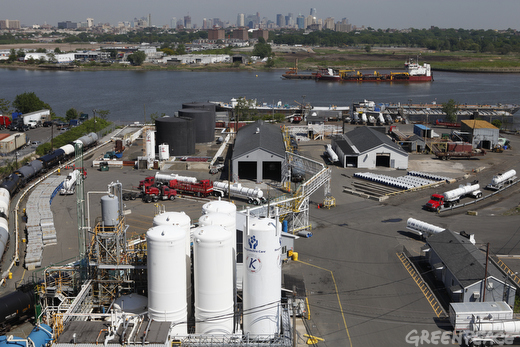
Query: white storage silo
[
  {"x": 166, "y": 269},
  {"x": 110, "y": 210},
  {"x": 213, "y": 279},
  {"x": 150, "y": 144},
  {"x": 164, "y": 152},
  {"x": 183, "y": 221},
  {"x": 225, "y": 207},
  {"x": 262, "y": 281}
]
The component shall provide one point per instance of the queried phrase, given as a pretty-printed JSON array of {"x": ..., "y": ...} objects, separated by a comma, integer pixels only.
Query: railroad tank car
[
  {"x": 4, "y": 234},
  {"x": 36, "y": 165},
  {"x": 87, "y": 140},
  {"x": 68, "y": 149},
  {"x": 12, "y": 183},
  {"x": 16, "y": 305},
  {"x": 26, "y": 172},
  {"x": 53, "y": 158},
  {"x": 4, "y": 202}
]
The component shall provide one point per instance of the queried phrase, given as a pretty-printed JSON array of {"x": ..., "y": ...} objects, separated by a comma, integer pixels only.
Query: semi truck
[
  {"x": 254, "y": 196},
  {"x": 5, "y": 121},
  {"x": 158, "y": 193},
  {"x": 452, "y": 197},
  {"x": 35, "y": 119},
  {"x": 69, "y": 184},
  {"x": 500, "y": 180}
]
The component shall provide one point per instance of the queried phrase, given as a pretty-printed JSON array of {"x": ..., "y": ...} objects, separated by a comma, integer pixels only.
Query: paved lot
[{"x": 359, "y": 292}]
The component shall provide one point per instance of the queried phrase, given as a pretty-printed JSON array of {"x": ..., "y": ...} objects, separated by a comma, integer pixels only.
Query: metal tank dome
[
  {"x": 204, "y": 123},
  {"x": 178, "y": 133}
]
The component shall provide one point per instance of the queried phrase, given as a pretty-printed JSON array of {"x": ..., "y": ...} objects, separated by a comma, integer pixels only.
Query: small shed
[{"x": 482, "y": 134}]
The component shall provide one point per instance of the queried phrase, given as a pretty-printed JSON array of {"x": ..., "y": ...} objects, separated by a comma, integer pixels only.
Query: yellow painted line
[
  {"x": 432, "y": 300},
  {"x": 337, "y": 295}
]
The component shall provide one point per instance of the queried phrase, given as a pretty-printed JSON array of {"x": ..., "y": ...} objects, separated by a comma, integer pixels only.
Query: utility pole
[{"x": 486, "y": 273}]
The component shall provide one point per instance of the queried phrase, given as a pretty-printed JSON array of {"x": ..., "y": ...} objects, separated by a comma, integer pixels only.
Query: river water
[{"x": 133, "y": 95}]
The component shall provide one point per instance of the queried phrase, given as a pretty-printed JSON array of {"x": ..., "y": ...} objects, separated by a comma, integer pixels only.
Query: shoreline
[{"x": 230, "y": 69}]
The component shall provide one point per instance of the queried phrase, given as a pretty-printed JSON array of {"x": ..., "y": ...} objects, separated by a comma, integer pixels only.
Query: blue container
[
  {"x": 285, "y": 226},
  {"x": 41, "y": 335}
]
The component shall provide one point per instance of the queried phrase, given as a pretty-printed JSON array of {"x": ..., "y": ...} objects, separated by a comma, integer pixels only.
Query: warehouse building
[
  {"x": 480, "y": 134},
  {"x": 259, "y": 152},
  {"x": 367, "y": 148},
  {"x": 461, "y": 266}
]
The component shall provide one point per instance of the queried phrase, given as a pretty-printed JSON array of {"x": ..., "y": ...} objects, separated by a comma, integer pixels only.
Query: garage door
[
  {"x": 383, "y": 159},
  {"x": 247, "y": 170},
  {"x": 272, "y": 170}
]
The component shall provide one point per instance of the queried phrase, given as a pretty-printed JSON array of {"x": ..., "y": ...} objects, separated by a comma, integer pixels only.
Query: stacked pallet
[{"x": 40, "y": 224}]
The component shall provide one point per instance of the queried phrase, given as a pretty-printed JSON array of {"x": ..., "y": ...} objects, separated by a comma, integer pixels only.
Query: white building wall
[
  {"x": 258, "y": 156},
  {"x": 367, "y": 160}
]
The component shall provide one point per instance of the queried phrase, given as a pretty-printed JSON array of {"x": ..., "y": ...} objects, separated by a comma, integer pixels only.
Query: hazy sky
[{"x": 399, "y": 14}]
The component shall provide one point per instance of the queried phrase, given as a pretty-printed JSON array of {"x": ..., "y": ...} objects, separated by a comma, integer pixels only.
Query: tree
[
  {"x": 168, "y": 51},
  {"x": 450, "y": 108},
  {"x": 368, "y": 48},
  {"x": 57, "y": 50},
  {"x": 29, "y": 102},
  {"x": 137, "y": 58},
  {"x": 270, "y": 62},
  {"x": 5, "y": 107},
  {"x": 103, "y": 114},
  {"x": 71, "y": 113},
  {"x": 497, "y": 123},
  {"x": 12, "y": 55},
  {"x": 181, "y": 49},
  {"x": 262, "y": 49},
  {"x": 244, "y": 109}
]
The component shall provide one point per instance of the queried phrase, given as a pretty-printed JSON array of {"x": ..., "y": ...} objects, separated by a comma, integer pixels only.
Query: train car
[
  {"x": 53, "y": 158},
  {"x": 12, "y": 183},
  {"x": 16, "y": 305},
  {"x": 4, "y": 202},
  {"x": 68, "y": 150},
  {"x": 26, "y": 172},
  {"x": 87, "y": 140},
  {"x": 4, "y": 234}
]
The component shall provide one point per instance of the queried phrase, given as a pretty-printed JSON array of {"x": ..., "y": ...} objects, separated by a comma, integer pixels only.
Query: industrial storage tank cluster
[
  {"x": 214, "y": 273},
  {"x": 178, "y": 135}
]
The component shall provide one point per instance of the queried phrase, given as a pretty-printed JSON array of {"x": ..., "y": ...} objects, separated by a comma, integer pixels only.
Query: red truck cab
[
  {"x": 147, "y": 182},
  {"x": 435, "y": 203}
]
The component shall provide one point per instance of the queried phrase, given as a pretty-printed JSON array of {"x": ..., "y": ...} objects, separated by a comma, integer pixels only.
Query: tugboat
[{"x": 328, "y": 75}]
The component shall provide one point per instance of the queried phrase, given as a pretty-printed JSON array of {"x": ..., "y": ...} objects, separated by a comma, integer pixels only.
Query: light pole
[{"x": 16, "y": 149}]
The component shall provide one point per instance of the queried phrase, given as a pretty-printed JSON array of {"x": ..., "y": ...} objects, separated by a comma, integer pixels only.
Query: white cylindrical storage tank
[
  {"x": 224, "y": 207},
  {"x": 150, "y": 144},
  {"x": 213, "y": 279},
  {"x": 181, "y": 220},
  {"x": 110, "y": 210},
  {"x": 4, "y": 201},
  {"x": 167, "y": 300},
  {"x": 132, "y": 303},
  {"x": 262, "y": 281},
  {"x": 168, "y": 177},
  {"x": 164, "y": 152},
  {"x": 220, "y": 206}
]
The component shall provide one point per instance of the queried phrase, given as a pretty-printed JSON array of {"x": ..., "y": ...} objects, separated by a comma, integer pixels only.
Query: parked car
[
  {"x": 35, "y": 144},
  {"x": 47, "y": 123}
]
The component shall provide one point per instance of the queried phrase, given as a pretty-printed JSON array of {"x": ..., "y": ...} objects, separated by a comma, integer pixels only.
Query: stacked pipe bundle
[
  {"x": 404, "y": 182},
  {"x": 40, "y": 223}
]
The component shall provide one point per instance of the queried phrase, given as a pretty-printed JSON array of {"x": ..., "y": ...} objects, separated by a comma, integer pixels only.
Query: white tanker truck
[
  {"x": 500, "y": 180},
  {"x": 253, "y": 195},
  {"x": 452, "y": 197},
  {"x": 69, "y": 184}
]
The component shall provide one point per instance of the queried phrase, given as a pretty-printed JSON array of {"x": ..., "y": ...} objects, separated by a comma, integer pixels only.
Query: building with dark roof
[
  {"x": 367, "y": 148},
  {"x": 461, "y": 266},
  {"x": 259, "y": 152}
]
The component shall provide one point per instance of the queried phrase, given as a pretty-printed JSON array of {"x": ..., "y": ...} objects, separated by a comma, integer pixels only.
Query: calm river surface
[{"x": 129, "y": 95}]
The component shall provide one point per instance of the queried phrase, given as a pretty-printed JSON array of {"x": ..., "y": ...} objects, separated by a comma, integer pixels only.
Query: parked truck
[
  {"x": 162, "y": 178},
  {"x": 452, "y": 197},
  {"x": 158, "y": 193},
  {"x": 202, "y": 188},
  {"x": 35, "y": 119},
  {"x": 254, "y": 196},
  {"x": 501, "y": 180},
  {"x": 5, "y": 121},
  {"x": 69, "y": 184},
  {"x": 13, "y": 142}
]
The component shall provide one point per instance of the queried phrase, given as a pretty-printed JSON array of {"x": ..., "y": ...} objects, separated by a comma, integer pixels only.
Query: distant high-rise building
[
  {"x": 9, "y": 24},
  {"x": 240, "y": 20},
  {"x": 90, "y": 22},
  {"x": 187, "y": 22},
  {"x": 261, "y": 33},
  {"x": 300, "y": 22},
  {"x": 67, "y": 25},
  {"x": 241, "y": 34},
  {"x": 309, "y": 20},
  {"x": 329, "y": 23},
  {"x": 149, "y": 20},
  {"x": 313, "y": 12},
  {"x": 280, "y": 20},
  {"x": 173, "y": 23}
]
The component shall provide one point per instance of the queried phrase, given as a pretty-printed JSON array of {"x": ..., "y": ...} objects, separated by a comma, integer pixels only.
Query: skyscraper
[
  {"x": 280, "y": 20},
  {"x": 313, "y": 11},
  {"x": 240, "y": 20},
  {"x": 90, "y": 22},
  {"x": 187, "y": 22}
]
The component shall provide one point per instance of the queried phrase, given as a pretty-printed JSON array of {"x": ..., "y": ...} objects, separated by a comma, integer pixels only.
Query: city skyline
[{"x": 378, "y": 14}]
